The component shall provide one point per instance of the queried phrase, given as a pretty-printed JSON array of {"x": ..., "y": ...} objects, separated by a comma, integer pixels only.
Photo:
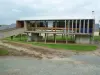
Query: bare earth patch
[{"x": 16, "y": 48}]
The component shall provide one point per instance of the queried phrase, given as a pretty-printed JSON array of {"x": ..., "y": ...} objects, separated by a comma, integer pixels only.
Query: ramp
[{"x": 11, "y": 32}]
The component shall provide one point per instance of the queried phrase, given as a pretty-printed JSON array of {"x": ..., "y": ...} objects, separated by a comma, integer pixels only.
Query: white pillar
[
  {"x": 68, "y": 26},
  {"x": 84, "y": 27},
  {"x": 80, "y": 27},
  {"x": 88, "y": 26},
  {"x": 25, "y": 25}
]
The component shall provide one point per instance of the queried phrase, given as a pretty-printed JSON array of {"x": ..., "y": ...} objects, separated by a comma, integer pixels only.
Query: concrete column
[
  {"x": 45, "y": 38},
  {"x": 45, "y": 26},
  {"x": 68, "y": 26},
  {"x": 88, "y": 26},
  {"x": 84, "y": 27},
  {"x": 25, "y": 25},
  {"x": 30, "y": 37},
  {"x": 55, "y": 25},
  {"x": 80, "y": 27},
  {"x": 76, "y": 26},
  {"x": 55, "y": 38}
]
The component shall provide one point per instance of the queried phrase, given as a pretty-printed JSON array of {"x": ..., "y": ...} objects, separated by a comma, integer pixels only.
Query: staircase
[{"x": 11, "y": 32}]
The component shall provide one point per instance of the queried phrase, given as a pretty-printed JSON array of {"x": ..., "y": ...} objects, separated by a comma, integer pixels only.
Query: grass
[
  {"x": 58, "y": 38},
  {"x": 76, "y": 47},
  {"x": 3, "y": 52},
  {"x": 97, "y": 38}
]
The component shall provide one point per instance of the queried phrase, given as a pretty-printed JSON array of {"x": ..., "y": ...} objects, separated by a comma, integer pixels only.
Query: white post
[
  {"x": 25, "y": 26},
  {"x": 88, "y": 26},
  {"x": 76, "y": 26},
  {"x": 84, "y": 27},
  {"x": 80, "y": 27},
  {"x": 68, "y": 27}
]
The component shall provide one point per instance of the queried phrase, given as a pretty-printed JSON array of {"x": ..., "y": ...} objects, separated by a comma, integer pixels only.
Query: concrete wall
[
  {"x": 96, "y": 33},
  {"x": 34, "y": 37},
  {"x": 82, "y": 39}
]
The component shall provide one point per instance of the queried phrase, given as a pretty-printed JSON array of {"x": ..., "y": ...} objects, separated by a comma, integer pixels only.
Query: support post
[
  {"x": 72, "y": 27},
  {"x": 55, "y": 31},
  {"x": 55, "y": 38},
  {"x": 88, "y": 27},
  {"x": 45, "y": 38},
  {"x": 84, "y": 27},
  {"x": 68, "y": 26},
  {"x": 80, "y": 27},
  {"x": 76, "y": 26},
  {"x": 25, "y": 26},
  {"x": 35, "y": 25}
]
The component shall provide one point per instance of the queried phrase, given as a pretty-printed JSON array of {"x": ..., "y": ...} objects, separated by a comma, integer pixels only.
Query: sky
[{"x": 12, "y": 10}]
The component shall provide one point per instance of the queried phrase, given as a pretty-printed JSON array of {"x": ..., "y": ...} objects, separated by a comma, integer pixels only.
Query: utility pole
[{"x": 93, "y": 15}]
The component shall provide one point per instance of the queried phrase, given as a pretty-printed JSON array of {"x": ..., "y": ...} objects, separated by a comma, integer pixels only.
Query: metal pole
[{"x": 93, "y": 15}]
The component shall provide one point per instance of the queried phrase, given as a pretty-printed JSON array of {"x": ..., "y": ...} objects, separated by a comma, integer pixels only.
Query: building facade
[{"x": 81, "y": 29}]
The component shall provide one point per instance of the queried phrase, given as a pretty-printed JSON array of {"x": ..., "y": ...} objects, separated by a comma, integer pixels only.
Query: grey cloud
[{"x": 35, "y": 8}]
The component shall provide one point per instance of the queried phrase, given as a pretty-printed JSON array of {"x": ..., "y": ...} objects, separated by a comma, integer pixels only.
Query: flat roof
[{"x": 54, "y": 18}]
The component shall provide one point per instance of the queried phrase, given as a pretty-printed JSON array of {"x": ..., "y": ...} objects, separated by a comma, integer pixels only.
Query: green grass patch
[
  {"x": 68, "y": 46},
  {"x": 3, "y": 52},
  {"x": 97, "y": 38},
  {"x": 59, "y": 37},
  {"x": 75, "y": 47}
]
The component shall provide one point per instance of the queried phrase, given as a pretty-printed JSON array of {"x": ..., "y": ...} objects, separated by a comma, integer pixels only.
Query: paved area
[{"x": 76, "y": 65}]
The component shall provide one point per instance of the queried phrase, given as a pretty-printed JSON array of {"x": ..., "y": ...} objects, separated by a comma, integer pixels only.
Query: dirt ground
[{"x": 22, "y": 49}]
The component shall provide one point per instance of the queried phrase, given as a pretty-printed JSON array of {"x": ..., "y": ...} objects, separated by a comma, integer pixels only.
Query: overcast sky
[{"x": 11, "y": 10}]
